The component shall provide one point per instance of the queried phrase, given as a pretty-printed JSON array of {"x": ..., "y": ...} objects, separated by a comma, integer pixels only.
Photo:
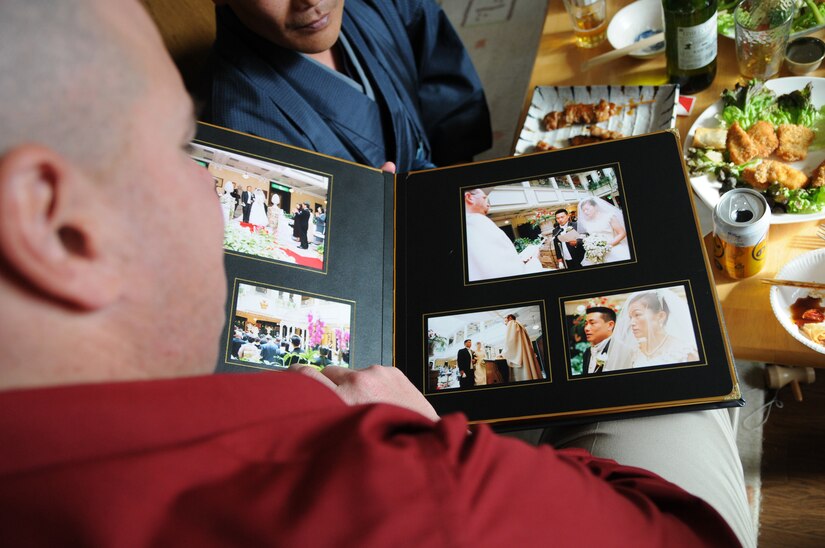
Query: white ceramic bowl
[
  {"x": 808, "y": 267},
  {"x": 635, "y": 22}
]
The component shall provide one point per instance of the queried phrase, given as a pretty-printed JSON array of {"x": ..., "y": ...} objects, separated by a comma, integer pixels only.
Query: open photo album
[{"x": 519, "y": 291}]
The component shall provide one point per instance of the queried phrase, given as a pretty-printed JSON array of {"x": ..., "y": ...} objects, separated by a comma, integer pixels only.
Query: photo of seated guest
[
  {"x": 513, "y": 350},
  {"x": 261, "y": 228},
  {"x": 287, "y": 328},
  {"x": 294, "y": 354},
  {"x": 544, "y": 225},
  {"x": 270, "y": 351}
]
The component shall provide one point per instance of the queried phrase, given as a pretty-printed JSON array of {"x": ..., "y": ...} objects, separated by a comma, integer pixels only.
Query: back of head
[
  {"x": 67, "y": 80},
  {"x": 93, "y": 115}
]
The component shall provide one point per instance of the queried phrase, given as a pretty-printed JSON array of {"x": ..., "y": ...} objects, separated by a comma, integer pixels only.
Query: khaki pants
[{"x": 695, "y": 450}]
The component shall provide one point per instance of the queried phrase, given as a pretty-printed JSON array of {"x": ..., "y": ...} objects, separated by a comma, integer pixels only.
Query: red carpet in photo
[{"x": 309, "y": 262}]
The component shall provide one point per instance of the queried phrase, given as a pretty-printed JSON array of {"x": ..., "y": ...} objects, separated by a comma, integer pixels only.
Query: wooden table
[{"x": 754, "y": 332}]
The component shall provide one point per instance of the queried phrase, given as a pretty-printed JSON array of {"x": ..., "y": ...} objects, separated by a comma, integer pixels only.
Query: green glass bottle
[{"x": 690, "y": 43}]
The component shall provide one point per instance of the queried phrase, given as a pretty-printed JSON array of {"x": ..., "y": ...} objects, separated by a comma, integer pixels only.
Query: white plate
[
  {"x": 809, "y": 267},
  {"x": 635, "y": 22},
  {"x": 644, "y": 109},
  {"x": 707, "y": 187}
]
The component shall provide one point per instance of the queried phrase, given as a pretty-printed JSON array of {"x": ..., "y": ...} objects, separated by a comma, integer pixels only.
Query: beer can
[{"x": 740, "y": 232}]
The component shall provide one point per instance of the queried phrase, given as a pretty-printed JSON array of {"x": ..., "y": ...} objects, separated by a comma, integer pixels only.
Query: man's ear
[{"x": 51, "y": 230}]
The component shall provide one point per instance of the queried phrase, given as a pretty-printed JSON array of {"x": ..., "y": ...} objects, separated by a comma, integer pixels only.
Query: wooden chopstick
[
  {"x": 621, "y": 52},
  {"x": 793, "y": 283}
]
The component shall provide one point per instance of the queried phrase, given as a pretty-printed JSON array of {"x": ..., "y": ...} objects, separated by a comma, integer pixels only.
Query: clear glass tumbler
[
  {"x": 589, "y": 18},
  {"x": 762, "y": 29}
]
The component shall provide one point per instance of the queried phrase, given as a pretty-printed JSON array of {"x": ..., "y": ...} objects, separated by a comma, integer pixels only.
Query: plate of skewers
[{"x": 563, "y": 116}]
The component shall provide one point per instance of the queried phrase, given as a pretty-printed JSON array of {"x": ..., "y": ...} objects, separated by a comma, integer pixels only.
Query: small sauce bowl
[{"x": 804, "y": 55}]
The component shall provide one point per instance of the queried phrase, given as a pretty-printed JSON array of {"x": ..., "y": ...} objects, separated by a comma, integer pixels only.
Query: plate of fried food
[
  {"x": 800, "y": 310},
  {"x": 769, "y": 136},
  {"x": 563, "y": 116}
]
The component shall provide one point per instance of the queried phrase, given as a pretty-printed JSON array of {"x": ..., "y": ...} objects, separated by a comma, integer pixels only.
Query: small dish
[
  {"x": 635, "y": 22},
  {"x": 804, "y": 55},
  {"x": 809, "y": 266}
]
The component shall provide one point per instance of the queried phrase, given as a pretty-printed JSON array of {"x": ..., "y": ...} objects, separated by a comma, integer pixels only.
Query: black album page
[
  {"x": 559, "y": 285},
  {"x": 308, "y": 242}
]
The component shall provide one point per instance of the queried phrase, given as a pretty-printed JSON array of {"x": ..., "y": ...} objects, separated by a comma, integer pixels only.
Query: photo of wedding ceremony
[
  {"x": 644, "y": 328},
  {"x": 271, "y": 211},
  {"x": 554, "y": 223},
  {"x": 272, "y": 329},
  {"x": 491, "y": 347}
]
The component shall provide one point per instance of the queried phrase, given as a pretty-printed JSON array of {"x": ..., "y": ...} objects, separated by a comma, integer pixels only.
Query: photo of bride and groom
[
  {"x": 646, "y": 328},
  {"x": 271, "y": 211},
  {"x": 561, "y": 222}
]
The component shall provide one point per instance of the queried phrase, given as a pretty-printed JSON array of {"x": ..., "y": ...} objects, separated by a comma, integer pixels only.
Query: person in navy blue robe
[{"x": 393, "y": 84}]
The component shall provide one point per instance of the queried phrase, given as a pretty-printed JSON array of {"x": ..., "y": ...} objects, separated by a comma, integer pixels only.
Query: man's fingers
[
  {"x": 336, "y": 374},
  {"x": 314, "y": 373}
]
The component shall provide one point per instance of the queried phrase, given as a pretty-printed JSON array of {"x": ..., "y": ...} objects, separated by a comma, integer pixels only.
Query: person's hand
[
  {"x": 389, "y": 167},
  {"x": 376, "y": 384}
]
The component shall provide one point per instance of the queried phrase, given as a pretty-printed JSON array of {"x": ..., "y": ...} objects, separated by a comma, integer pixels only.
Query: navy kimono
[{"x": 410, "y": 96}]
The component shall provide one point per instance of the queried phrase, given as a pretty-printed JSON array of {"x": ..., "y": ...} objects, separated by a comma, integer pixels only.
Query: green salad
[
  {"x": 747, "y": 105},
  {"x": 809, "y": 14}
]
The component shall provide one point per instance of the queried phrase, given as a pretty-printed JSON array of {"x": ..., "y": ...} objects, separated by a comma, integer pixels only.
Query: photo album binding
[{"x": 519, "y": 291}]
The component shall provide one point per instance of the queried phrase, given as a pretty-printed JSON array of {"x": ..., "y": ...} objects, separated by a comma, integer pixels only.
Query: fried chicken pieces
[
  {"x": 789, "y": 143},
  {"x": 766, "y": 172}
]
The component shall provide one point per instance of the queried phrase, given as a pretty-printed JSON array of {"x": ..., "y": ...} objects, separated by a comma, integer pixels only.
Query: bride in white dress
[
  {"x": 257, "y": 216},
  {"x": 653, "y": 328},
  {"x": 601, "y": 220}
]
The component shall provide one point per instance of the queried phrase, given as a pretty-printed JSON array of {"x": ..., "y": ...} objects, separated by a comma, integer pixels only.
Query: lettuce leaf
[{"x": 747, "y": 105}]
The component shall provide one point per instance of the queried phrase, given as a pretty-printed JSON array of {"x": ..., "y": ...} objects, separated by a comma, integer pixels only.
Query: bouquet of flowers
[{"x": 596, "y": 248}]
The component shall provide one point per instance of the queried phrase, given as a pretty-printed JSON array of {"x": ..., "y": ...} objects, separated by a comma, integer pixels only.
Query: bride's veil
[
  {"x": 624, "y": 346},
  {"x": 604, "y": 210}
]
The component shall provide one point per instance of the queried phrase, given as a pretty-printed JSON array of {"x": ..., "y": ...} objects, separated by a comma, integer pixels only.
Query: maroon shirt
[{"x": 279, "y": 460}]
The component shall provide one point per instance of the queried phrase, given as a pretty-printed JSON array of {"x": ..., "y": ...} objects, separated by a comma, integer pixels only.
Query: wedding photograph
[
  {"x": 641, "y": 329},
  {"x": 271, "y": 211},
  {"x": 550, "y": 224},
  {"x": 272, "y": 328},
  {"x": 485, "y": 348}
]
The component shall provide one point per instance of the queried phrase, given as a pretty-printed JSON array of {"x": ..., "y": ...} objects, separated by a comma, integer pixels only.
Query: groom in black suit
[
  {"x": 247, "y": 198},
  {"x": 598, "y": 328},
  {"x": 571, "y": 252},
  {"x": 465, "y": 362}
]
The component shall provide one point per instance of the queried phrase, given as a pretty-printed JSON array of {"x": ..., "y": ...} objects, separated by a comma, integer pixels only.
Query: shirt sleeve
[
  {"x": 487, "y": 490},
  {"x": 453, "y": 105}
]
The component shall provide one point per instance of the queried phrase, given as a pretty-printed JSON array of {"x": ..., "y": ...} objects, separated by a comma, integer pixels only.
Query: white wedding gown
[
  {"x": 258, "y": 216},
  {"x": 601, "y": 227}
]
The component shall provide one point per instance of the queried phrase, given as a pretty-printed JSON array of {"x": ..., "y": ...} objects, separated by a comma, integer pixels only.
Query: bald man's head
[{"x": 67, "y": 78}]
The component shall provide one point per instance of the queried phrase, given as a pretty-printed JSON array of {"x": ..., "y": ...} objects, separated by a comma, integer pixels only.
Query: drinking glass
[
  {"x": 762, "y": 29},
  {"x": 589, "y": 21}
]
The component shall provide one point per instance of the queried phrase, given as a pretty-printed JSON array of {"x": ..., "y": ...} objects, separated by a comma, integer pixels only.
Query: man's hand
[{"x": 375, "y": 384}]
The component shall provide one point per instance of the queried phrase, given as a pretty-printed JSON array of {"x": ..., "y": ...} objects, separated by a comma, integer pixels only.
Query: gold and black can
[{"x": 740, "y": 232}]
